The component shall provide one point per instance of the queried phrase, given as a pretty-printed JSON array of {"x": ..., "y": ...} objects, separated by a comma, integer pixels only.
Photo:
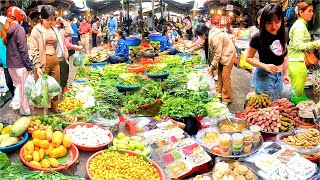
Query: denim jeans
[
  {"x": 117, "y": 59},
  {"x": 265, "y": 82}
]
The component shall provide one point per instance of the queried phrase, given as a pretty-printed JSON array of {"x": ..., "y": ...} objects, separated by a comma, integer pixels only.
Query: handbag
[{"x": 310, "y": 59}]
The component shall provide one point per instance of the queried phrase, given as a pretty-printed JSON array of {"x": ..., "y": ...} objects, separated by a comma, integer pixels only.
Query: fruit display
[
  {"x": 75, "y": 116},
  {"x": 11, "y": 134},
  {"x": 267, "y": 118},
  {"x": 89, "y": 136},
  {"x": 258, "y": 101},
  {"x": 46, "y": 147},
  {"x": 232, "y": 171},
  {"x": 133, "y": 143},
  {"x": 306, "y": 139},
  {"x": 68, "y": 104},
  {"x": 45, "y": 122},
  {"x": 288, "y": 112},
  {"x": 111, "y": 165}
]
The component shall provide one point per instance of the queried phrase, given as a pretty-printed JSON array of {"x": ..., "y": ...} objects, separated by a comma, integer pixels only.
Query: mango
[
  {"x": 35, "y": 156},
  {"x": 35, "y": 163},
  {"x": 28, "y": 148},
  {"x": 54, "y": 162},
  {"x": 41, "y": 143},
  {"x": 45, "y": 163},
  {"x": 58, "y": 152},
  {"x": 41, "y": 153},
  {"x": 66, "y": 141},
  {"x": 57, "y": 138},
  {"x": 49, "y": 134},
  {"x": 39, "y": 135},
  {"x": 28, "y": 158}
]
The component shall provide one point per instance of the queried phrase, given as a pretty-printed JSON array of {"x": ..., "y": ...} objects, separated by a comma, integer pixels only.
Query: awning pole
[{"x": 152, "y": 14}]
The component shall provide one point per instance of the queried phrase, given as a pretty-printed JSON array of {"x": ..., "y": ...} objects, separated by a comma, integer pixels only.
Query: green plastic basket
[{"x": 294, "y": 99}]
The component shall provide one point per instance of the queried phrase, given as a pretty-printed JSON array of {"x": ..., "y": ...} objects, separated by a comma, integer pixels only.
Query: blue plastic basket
[
  {"x": 155, "y": 38},
  {"x": 99, "y": 64},
  {"x": 129, "y": 88},
  {"x": 133, "y": 42},
  {"x": 155, "y": 76},
  {"x": 9, "y": 149}
]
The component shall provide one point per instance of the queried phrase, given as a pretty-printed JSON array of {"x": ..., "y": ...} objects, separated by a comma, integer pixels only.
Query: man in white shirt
[{"x": 150, "y": 21}]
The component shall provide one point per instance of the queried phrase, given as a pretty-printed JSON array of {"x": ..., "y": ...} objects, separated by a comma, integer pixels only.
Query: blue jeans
[
  {"x": 117, "y": 59},
  {"x": 173, "y": 51},
  {"x": 267, "y": 83}
]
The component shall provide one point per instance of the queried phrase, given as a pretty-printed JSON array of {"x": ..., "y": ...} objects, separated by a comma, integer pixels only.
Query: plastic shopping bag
[
  {"x": 3, "y": 85},
  {"x": 39, "y": 95},
  {"x": 243, "y": 63},
  {"x": 54, "y": 88},
  {"x": 29, "y": 85},
  {"x": 286, "y": 91},
  {"x": 78, "y": 59}
]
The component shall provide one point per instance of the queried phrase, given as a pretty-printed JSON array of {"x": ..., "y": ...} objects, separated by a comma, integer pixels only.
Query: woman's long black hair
[
  {"x": 268, "y": 13},
  {"x": 201, "y": 30}
]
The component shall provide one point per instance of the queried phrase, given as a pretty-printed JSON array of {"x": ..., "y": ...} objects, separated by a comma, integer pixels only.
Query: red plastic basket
[
  {"x": 136, "y": 68},
  {"x": 71, "y": 160},
  {"x": 90, "y": 148},
  {"x": 145, "y": 44},
  {"x": 146, "y": 61},
  {"x": 131, "y": 153}
]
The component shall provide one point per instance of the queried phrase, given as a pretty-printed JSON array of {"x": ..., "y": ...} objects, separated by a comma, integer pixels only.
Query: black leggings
[
  {"x": 9, "y": 81},
  {"x": 94, "y": 40}
]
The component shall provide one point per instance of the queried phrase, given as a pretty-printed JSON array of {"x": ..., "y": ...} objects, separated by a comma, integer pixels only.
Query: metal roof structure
[{"x": 106, "y": 6}]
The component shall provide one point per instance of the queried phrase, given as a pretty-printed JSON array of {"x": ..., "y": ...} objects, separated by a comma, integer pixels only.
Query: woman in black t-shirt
[{"x": 272, "y": 69}]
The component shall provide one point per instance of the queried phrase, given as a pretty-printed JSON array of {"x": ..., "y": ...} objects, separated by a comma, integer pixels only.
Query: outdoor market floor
[{"x": 240, "y": 88}]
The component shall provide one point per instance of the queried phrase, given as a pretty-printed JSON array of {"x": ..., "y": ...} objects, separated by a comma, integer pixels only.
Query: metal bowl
[{"x": 235, "y": 121}]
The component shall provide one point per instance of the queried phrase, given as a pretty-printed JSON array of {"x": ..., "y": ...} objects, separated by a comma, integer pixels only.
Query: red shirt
[{"x": 84, "y": 28}]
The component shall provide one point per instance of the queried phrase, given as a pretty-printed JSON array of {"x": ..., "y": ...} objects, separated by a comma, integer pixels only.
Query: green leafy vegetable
[
  {"x": 3, "y": 159},
  {"x": 152, "y": 89},
  {"x": 109, "y": 95},
  {"x": 130, "y": 79},
  {"x": 158, "y": 69},
  {"x": 134, "y": 100}
]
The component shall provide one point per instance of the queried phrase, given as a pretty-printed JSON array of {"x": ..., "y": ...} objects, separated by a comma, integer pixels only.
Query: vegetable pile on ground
[
  {"x": 159, "y": 68},
  {"x": 16, "y": 170},
  {"x": 75, "y": 116},
  {"x": 69, "y": 103},
  {"x": 113, "y": 71},
  {"x": 216, "y": 109},
  {"x": 109, "y": 95},
  {"x": 106, "y": 111},
  {"x": 175, "y": 80},
  {"x": 119, "y": 165},
  {"x": 47, "y": 149},
  {"x": 12, "y": 134},
  {"x": 130, "y": 79}
]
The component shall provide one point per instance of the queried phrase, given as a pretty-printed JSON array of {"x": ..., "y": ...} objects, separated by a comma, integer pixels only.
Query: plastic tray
[
  {"x": 90, "y": 148},
  {"x": 72, "y": 159},
  {"x": 179, "y": 168},
  {"x": 9, "y": 149},
  {"x": 279, "y": 138},
  {"x": 164, "y": 75},
  {"x": 131, "y": 153},
  {"x": 128, "y": 88},
  {"x": 199, "y": 158},
  {"x": 169, "y": 158}
]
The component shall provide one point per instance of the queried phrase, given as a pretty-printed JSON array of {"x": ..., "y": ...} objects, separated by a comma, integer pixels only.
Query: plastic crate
[{"x": 99, "y": 64}]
